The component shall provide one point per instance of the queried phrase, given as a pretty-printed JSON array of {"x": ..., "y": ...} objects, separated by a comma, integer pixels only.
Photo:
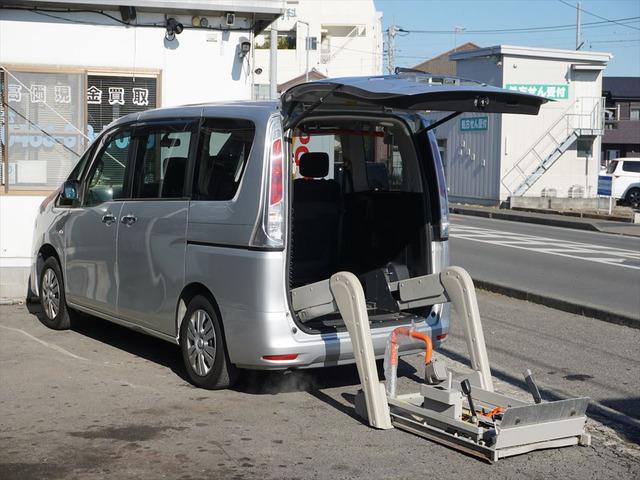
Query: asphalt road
[
  {"x": 102, "y": 401},
  {"x": 588, "y": 268}
]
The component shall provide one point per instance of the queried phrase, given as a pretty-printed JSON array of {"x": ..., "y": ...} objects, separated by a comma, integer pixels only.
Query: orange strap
[{"x": 494, "y": 412}]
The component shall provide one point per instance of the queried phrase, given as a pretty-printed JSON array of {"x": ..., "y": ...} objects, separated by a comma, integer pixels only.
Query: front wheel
[
  {"x": 203, "y": 347},
  {"x": 55, "y": 313},
  {"x": 633, "y": 197}
]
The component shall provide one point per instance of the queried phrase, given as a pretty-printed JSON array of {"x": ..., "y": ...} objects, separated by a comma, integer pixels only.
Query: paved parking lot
[{"x": 102, "y": 401}]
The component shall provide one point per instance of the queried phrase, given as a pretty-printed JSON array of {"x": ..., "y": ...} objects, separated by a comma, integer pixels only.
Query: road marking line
[
  {"x": 550, "y": 246},
  {"x": 46, "y": 344}
]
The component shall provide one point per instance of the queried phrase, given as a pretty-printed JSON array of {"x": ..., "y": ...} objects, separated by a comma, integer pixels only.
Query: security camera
[
  {"x": 230, "y": 18},
  {"x": 173, "y": 28},
  {"x": 245, "y": 48}
]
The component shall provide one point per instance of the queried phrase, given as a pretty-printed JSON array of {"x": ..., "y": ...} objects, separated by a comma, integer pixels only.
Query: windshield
[{"x": 612, "y": 166}]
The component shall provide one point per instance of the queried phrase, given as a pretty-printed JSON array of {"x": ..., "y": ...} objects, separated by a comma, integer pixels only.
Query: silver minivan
[{"x": 195, "y": 224}]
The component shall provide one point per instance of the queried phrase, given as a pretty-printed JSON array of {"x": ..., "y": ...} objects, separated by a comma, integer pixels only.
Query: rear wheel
[
  {"x": 54, "y": 306},
  {"x": 203, "y": 348},
  {"x": 633, "y": 197}
]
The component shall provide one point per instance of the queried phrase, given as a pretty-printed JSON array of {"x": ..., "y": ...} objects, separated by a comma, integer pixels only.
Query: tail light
[
  {"x": 271, "y": 233},
  {"x": 442, "y": 191}
]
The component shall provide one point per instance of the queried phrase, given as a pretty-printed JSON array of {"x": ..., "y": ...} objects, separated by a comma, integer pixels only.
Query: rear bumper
[{"x": 280, "y": 337}]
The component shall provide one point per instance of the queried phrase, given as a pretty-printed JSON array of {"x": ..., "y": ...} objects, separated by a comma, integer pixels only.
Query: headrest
[{"x": 314, "y": 164}]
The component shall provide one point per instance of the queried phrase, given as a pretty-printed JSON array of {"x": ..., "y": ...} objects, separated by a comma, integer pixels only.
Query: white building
[
  {"x": 70, "y": 67},
  {"x": 345, "y": 39},
  {"x": 490, "y": 158}
]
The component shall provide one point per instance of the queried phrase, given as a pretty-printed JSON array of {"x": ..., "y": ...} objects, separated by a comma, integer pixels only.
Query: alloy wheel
[
  {"x": 201, "y": 342},
  {"x": 50, "y": 294}
]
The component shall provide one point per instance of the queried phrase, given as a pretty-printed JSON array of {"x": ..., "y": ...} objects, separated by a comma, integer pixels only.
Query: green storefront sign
[
  {"x": 474, "y": 124},
  {"x": 554, "y": 92}
]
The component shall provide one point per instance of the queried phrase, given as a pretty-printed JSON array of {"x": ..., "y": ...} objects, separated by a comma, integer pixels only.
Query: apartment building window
[
  {"x": 287, "y": 40},
  {"x": 634, "y": 113}
]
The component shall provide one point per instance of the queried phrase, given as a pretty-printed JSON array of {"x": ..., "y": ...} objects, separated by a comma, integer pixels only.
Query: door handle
[
  {"x": 129, "y": 219},
  {"x": 108, "y": 218}
]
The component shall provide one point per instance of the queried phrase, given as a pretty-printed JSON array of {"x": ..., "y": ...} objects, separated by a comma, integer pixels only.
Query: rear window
[
  {"x": 364, "y": 157},
  {"x": 612, "y": 167},
  {"x": 223, "y": 153},
  {"x": 631, "y": 167}
]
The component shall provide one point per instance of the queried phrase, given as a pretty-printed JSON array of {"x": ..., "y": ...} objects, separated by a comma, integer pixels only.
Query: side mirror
[{"x": 70, "y": 190}]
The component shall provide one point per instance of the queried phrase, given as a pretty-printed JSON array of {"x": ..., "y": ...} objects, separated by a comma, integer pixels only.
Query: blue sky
[{"x": 410, "y": 49}]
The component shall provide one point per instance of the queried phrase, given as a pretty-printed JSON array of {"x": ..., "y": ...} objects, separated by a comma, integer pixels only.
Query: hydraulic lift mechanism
[{"x": 463, "y": 412}]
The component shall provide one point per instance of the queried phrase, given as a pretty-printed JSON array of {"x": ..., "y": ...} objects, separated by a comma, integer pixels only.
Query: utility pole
[
  {"x": 391, "y": 33},
  {"x": 578, "y": 27},
  {"x": 273, "y": 61},
  {"x": 306, "y": 47},
  {"x": 456, "y": 31}
]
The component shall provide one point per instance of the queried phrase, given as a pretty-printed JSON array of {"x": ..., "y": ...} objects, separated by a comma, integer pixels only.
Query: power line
[
  {"x": 543, "y": 29},
  {"x": 597, "y": 16},
  {"x": 615, "y": 41}
]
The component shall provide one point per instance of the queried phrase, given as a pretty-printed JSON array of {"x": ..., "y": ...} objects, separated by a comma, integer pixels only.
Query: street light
[{"x": 306, "y": 46}]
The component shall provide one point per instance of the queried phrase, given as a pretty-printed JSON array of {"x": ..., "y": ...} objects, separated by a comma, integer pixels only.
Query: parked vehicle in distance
[
  {"x": 625, "y": 180},
  {"x": 187, "y": 223}
]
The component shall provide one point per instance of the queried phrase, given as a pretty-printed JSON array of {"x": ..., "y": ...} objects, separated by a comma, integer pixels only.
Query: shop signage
[
  {"x": 552, "y": 91},
  {"x": 474, "y": 124},
  {"x": 110, "y": 97}
]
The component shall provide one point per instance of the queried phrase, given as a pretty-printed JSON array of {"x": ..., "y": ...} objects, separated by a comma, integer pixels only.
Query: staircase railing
[
  {"x": 327, "y": 55},
  {"x": 585, "y": 116}
]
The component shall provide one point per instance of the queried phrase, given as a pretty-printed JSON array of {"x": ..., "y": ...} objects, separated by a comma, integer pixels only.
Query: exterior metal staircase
[
  {"x": 327, "y": 54},
  {"x": 584, "y": 117}
]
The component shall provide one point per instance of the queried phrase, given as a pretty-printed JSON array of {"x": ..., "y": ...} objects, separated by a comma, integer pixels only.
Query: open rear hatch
[
  {"x": 378, "y": 98},
  {"x": 405, "y": 91}
]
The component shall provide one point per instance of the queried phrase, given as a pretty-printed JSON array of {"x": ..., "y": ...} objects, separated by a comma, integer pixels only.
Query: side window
[
  {"x": 222, "y": 158},
  {"x": 162, "y": 162},
  {"x": 107, "y": 180},
  {"x": 631, "y": 167}
]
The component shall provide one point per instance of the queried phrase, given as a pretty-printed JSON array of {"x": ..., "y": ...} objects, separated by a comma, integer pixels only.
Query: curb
[
  {"x": 559, "y": 304},
  {"x": 553, "y": 222}
]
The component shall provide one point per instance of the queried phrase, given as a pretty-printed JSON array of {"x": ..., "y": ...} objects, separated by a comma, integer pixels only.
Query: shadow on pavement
[{"x": 136, "y": 343}]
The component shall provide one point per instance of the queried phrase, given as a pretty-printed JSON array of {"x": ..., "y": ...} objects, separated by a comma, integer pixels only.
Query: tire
[
  {"x": 204, "y": 351},
  {"x": 55, "y": 313},
  {"x": 633, "y": 197}
]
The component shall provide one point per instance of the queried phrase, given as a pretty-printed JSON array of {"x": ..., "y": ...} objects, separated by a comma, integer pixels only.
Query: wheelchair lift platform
[{"x": 461, "y": 412}]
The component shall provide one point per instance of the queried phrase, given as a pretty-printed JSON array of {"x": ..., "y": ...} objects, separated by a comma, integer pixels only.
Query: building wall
[
  {"x": 520, "y": 133},
  {"x": 471, "y": 158},
  {"x": 198, "y": 66},
  {"x": 622, "y": 134},
  {"x": 340, "y": 54}
]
